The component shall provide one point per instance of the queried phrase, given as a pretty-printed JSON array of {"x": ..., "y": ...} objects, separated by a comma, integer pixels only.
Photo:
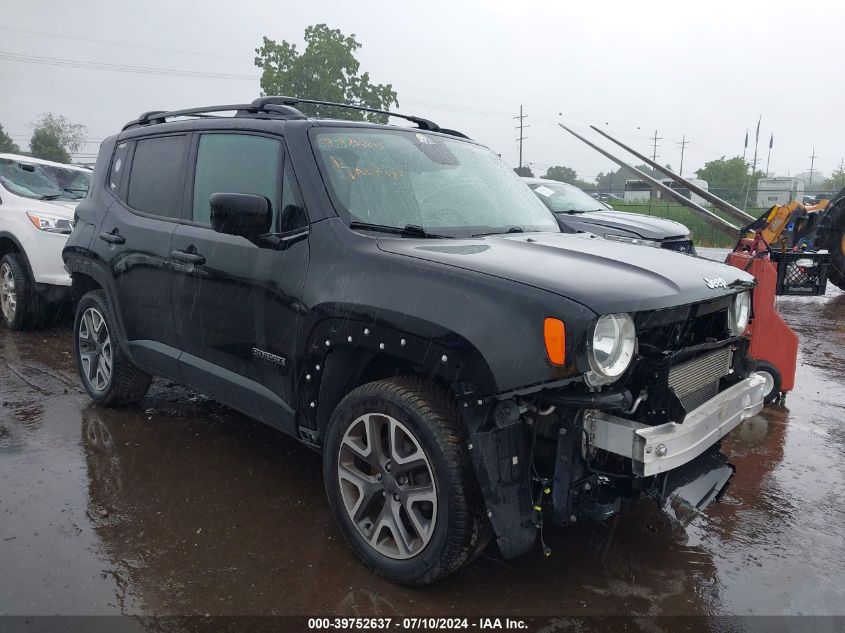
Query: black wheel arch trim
[{"x": 325, "y": 373}]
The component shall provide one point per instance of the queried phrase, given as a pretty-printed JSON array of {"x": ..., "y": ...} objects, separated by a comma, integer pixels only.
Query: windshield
[
  {"x": 444, "y": 185},
  {"x": 563, "y": 198},
  {"x": 43, "y": 182}
]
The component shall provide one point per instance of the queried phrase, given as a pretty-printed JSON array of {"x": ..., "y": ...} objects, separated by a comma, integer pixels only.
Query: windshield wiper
[
  {"x": 51, "y": 196},
  {"x": 510, "y": 229},
  {"x": 409, "y": 230}
]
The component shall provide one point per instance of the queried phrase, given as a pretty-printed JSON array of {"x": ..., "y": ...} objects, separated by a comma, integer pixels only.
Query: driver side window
[{"x": 235, "y": 163}]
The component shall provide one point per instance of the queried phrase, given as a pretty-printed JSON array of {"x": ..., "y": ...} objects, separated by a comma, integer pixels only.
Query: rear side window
[
  {"x": 235, "y": 163},
  {"x": 118, "y": 167},
  {"x": 157, "y": 176}
]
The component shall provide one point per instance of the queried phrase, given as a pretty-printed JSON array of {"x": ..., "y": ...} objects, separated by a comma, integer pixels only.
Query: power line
[
  {"x": 124, "y": 44},
  {"x": 146, "y": 70}
]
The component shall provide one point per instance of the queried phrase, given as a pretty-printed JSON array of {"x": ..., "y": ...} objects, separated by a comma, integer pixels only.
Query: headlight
[
  {"x": 740, "y": 313},
  {"x": 612, "y": 348},
  {"x": 631, "y": 240},
  {"x": 50, "y": 223}
]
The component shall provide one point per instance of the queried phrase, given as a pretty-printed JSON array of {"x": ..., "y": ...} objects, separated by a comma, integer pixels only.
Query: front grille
[
  {"x": 681, "y": 246},
  {"x": 696, "y": 381},
  {"x": 680, "y": 327}
]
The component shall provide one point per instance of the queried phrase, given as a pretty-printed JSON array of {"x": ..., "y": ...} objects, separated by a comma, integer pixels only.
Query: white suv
[{"x": 37, "y": 200}]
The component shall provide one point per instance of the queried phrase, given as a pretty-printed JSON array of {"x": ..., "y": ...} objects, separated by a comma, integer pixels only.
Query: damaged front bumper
[{"x": 658, "y": 449}]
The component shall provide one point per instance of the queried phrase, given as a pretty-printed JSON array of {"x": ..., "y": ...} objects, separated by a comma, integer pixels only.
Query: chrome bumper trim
[{"x": 657, "y": 449}]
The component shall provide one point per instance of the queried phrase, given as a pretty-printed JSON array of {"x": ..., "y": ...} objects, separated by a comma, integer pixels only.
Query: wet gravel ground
[{"x": 186, "y": 507}]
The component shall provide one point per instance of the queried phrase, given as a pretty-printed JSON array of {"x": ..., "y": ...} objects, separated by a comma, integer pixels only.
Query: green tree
[
  {"x": 55, "y": 138},
  {"x": 326, "y": 70},
  {"x": 836, "y": 182},
  {"x": 583, "y": 184},
  {"x": 569, "y": 176},
  {"x": 562, "y": 174},
  {"x": 730, "y": 179},
  {"x": 614, "y": 181},
  {"x": 524, "y": 171},
  {"x": 7, "y": 145}
]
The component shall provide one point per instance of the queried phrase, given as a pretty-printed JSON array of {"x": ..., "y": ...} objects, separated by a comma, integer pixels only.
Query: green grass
[{"x": 702, "y": 233}]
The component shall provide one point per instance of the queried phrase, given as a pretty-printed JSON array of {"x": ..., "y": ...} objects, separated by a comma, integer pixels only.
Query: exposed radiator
[{"x": 696, "y": 381}]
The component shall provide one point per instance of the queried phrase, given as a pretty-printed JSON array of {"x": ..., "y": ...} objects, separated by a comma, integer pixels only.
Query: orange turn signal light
[{"x": 554, "y": 333}]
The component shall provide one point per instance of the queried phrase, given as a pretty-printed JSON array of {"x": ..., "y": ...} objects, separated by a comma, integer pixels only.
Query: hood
[
  {"x": 622, "y": 223},
  {"x": 605, "y": 276},
  {"x": 61, "y": 208}
]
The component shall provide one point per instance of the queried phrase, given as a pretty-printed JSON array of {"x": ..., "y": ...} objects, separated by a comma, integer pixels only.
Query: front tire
[
  {"x": 108, "y": 375},
  {"x": 399, "y": 480},
  {"x": 773, "y": 381}
]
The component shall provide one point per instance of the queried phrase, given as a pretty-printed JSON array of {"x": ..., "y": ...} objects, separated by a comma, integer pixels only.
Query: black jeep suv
[{"x": 397, "y": 298}]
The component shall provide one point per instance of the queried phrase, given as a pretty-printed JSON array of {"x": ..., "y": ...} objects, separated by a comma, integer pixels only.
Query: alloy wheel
[
  {"x": 387, "y": 485},
  {"x": 8, "y": 296},
  {"x": 95, "y": 349}
]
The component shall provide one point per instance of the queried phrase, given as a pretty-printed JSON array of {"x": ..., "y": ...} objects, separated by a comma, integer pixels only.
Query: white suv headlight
[
  {"x": 611, "y": 349},
  {"x": 740, "y": 313},
  {"x": 50, "y": 223}
]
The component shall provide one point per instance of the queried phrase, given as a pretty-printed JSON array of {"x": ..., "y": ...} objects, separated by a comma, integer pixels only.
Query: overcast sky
[{"x": 704, "y": 69}]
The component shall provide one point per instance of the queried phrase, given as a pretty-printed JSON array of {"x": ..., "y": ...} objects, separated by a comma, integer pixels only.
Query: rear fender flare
[{"x": 93, "y": 268}]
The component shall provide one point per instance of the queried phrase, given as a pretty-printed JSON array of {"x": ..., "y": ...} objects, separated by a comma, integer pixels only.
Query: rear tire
[
  {"x": 836, "y": 274},
  {"x": 400, "y": 483},
  {"x": 20, "y": 306},
  {"x": 108, "y": 375}
]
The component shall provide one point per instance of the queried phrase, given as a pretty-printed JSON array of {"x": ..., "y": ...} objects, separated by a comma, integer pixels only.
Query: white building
[
  {"x": 640, "y": 190},
  {"x": 777, "y": 191}
]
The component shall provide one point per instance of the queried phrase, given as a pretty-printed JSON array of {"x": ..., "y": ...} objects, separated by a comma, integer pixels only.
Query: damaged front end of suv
[{"x": 654, "y": 393}]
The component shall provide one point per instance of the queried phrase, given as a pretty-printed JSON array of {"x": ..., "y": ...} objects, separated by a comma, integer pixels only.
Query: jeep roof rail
[
  {"x": 279, "y": 106},
  {"x": 423, "y": 124},
  {"x": 241, "y": 109}
]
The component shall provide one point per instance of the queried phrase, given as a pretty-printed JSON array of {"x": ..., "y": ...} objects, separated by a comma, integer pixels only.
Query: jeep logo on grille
[{"x": 716, "y": 282}]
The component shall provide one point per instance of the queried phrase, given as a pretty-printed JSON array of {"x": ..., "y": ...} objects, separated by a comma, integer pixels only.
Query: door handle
[
  {"x": 113, "y": 238},
  {"x": 188, "y": 258}
]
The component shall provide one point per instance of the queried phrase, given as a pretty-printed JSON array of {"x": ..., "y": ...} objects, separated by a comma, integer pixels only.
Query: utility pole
[
  {"x": 521, "y": 138},
  {"x": 683, "y": 145},
  {"x": 654, "y": 145},
  {"x": 813, "y": 158}
]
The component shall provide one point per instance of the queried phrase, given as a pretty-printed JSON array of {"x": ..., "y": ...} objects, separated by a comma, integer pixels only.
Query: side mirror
[{"x": 240, "y": 214}]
